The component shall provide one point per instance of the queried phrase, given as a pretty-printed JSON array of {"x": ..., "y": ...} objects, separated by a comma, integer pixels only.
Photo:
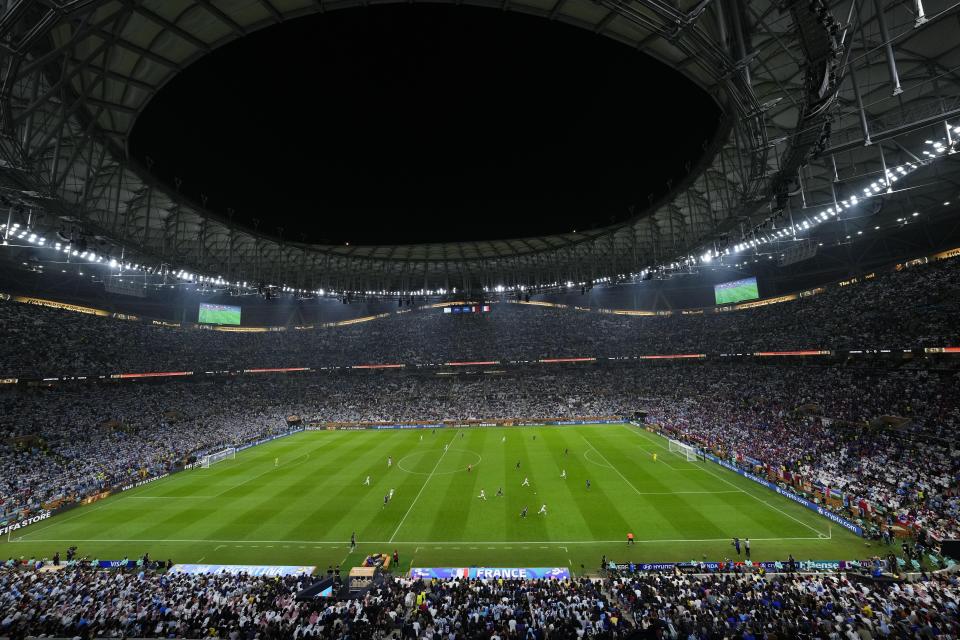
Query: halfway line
[{"x": 432, "y": 471}]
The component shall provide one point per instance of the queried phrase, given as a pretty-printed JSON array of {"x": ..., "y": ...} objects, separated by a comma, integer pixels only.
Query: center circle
[{"x": 434, "y": 461}]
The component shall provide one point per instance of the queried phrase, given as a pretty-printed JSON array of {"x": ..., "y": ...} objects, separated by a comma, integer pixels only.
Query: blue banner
[
  {"x": 786, "y": 493},
  {"x": 491, "y": 573},
  {"x": 250, "y": 569},
  {"x": 116, "y": 564}
]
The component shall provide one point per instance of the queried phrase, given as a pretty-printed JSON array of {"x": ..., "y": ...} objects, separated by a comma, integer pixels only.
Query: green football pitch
[
  {"x": 296, "y": 501},
  {"x": 736, "y": 294},
  {"x": 219, "y": 316}
]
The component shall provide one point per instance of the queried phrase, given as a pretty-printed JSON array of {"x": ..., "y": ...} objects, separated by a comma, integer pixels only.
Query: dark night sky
[{"x": 420, "y": 123}]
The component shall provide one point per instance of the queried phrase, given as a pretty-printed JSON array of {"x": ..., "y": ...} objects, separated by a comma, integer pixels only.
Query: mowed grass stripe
[
  {"x": 304, "y": 511},
  {"x": 123, "y": 518},
  {"x": 678, "y": 514},
  {"x": 340, "y": 503},
  {"x": 761, "y": 497},
  {"x": 284, "y": 490},
  {"x": 590, "y": 514}
]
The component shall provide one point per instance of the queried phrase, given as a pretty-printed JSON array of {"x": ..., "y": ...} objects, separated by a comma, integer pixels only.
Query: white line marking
[
  {"x": 52, "y": 522},
  {"x": 630, "y": 484},
  {"x": 744, "y": 491},
  {"x": 665, "y": 448},
  {"x": 762, "y": 501},
  {"x": 587, "y": 458},
  {"x": 404, "y": 542},
  {"x": 305, "y": 456},
  {"x": 425, "y": 482}
]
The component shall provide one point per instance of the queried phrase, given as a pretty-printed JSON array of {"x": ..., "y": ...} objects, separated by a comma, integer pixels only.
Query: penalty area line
[{"x": 819, "y": 533}]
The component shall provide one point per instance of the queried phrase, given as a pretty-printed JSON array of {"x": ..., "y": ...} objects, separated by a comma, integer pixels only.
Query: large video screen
[
  {"x": 219, "y": 314},
  {"x": 729, "y": 292}
]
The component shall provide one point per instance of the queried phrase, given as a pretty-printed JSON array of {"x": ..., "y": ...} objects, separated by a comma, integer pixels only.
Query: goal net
[
  {"x": 683, "y": 450},
  {"x": 214, "y": 458}
]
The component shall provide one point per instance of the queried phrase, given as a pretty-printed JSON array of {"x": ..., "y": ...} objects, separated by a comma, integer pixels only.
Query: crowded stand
[
  {"x": 78, "y": 601},
  {"x": 871, "y": 440},
  {"x": 82, "y": 602},
  {"x": 876, "y": 444},
  {"x": 913, "y": 308},
  {"x": 787, "y": 606}
]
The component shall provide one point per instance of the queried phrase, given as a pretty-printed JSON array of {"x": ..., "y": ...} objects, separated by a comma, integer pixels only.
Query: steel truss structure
[{"x": 820, "y": 99}]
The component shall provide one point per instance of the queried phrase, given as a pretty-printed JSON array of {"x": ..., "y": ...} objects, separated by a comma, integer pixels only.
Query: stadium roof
[{"x": 821, "y": 100}]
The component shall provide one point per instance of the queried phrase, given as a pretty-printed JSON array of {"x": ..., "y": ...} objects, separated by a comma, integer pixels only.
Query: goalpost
[
  {"x": 683, "y": 449},
  {"x": 213, "y": 458}
]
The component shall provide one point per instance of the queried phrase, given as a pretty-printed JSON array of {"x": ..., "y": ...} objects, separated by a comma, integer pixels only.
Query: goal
[
  {"x": 214, "y": 458},
  {"x": 684, "y": 450}
]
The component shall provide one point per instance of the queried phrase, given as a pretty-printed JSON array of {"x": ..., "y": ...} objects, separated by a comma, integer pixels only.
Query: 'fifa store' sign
[{"x": 26, "y": 522}]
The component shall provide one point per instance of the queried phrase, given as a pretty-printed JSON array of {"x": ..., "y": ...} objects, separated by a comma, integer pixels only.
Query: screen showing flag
[
  {"x": 219, "y": 314},
  {"x": 730, "y": 292}
]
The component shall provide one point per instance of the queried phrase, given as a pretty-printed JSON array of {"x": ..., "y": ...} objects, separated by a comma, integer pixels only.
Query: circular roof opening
[{"x": 403, "y": 124}]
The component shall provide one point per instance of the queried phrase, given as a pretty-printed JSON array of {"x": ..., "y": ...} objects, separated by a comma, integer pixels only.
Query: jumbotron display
[
  {"x": 736, "y": 290},
  {"x": 219, "y": 314}
]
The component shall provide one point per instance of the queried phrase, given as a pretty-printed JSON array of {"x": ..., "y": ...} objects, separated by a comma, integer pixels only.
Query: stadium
[{"x": 527, "y": 319}]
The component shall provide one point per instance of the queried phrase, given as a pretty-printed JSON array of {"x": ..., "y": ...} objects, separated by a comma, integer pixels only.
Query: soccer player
[
  {"x": 518, "y": 465},
  {"x": 389, "y": 461},
  {"x": 543, "y": 510},
  {"x": 746, "y": 547},
  {"x": 469, "y": 468},
  {"x": 523, "y": 512},
  {"x": 353, "y": 542},
  {"x": 276, "y": 462},
  {"x": 588, "y": 484},
  {"x": 482, "y": 496},
  {"x": 654, "y": 457},
  {"x": 526, "y": 482},
  {"x": 563, "y": 474},
  {"x": 421, "y": 437},
  {"x": 500, "y": 492},
  {"x": 386, "y": 499},
  {"x": 391, "y": 494},
  {"x": 461, "y": 435},
  {"x": 367, "y": 481},
  {"x": 503, "y": 439},
  {"x": 566, "y": 451}
]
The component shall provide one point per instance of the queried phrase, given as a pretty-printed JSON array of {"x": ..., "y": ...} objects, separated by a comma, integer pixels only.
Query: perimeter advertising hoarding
[
  {"x": 249, "y": 569},
  {"x": 770, "y": 567},
  {"x": 490, "y": 573},
  {"x": 10, "y": 527},
  {"x": 786, "y": 493}
]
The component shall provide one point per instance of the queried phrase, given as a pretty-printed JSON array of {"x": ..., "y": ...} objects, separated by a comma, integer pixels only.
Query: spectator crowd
[
  {"x": 82, "y": 602},
  {"x": 918, "y": 307},
  {"x": 882, "y": 439}
]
